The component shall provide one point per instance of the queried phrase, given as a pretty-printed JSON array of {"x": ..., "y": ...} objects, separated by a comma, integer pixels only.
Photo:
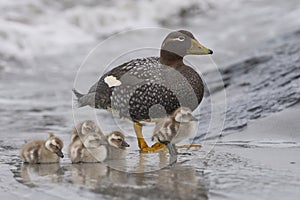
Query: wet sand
[
  {"x": 242, "y": 164},
  {"x": 279, "y": 149},
  {"x": 258, "y": 161}
]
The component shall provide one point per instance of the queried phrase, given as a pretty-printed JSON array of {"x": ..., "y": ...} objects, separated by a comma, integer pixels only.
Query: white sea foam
[
  {"x": 33, "y": 27},
  {"x": 30, "y": 28},
  {"x": 104, "y": 20}
]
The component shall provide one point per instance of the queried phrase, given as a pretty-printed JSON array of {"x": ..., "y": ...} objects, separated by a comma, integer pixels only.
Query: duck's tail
[
  {"x": 84, "y": 99},
  {"x": 77, "y": 94},
  {"x": 78, "y": 102}
]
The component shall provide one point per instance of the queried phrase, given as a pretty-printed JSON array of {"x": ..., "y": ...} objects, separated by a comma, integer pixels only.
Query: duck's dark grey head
[{"x": 181, "y": 43}]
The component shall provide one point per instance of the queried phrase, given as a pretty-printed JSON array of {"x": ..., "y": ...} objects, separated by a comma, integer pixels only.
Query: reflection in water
[
  {"x": 95, "y": 174},
  {"x": 177, "y": 182},
  {"x": 34, "y": 174}
]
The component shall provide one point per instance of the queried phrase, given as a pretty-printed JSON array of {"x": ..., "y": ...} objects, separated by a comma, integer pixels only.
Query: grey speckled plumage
[{"x": 152, "y": 87}]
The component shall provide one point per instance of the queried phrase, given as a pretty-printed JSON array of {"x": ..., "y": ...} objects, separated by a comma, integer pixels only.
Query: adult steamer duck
[{"x": 149, "y": 89}]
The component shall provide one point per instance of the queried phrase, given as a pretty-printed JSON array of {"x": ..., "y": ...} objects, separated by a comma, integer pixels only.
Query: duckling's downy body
[
  {"x": 150, "y": 88},
  {"x": 90, "y": 145},
  {"x": 85, "y": 128},
  {"x": 176, "y": 127},
  {"x": 42, "y": 151}
]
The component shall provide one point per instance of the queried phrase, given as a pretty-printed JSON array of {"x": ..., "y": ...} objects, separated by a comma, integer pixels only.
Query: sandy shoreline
[
  {"x": 239, "y": 158},
  {"x": 273, "y": 141}
]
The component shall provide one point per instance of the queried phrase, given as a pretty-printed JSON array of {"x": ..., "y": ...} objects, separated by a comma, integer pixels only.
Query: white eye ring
[{"x": 181, "y": 38}]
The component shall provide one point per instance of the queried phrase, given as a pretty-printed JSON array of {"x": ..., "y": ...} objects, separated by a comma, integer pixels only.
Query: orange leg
[{"x": 142, "y": 143}]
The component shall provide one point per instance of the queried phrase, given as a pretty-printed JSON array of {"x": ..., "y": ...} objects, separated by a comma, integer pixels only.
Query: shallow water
[
  {"x": 39, "y": 63},
  {"x": 222, "y": 174}
]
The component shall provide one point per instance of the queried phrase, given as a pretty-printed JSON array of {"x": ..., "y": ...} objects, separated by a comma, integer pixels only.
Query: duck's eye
[
  {"x": 119, "y": 139},
  {"x": 181, "y": 38}
]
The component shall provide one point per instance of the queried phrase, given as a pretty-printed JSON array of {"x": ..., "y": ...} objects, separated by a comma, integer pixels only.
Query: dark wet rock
[
  {"x": 237, "y": 70},
  {"x": 259, "y": 85}
]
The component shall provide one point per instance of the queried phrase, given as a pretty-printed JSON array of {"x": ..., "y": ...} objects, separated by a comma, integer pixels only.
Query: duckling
[
  {"x": 81, "y": 154},
  {"x": 95, "y": 147},
  {"x": 84, "y": 128},
  {"x": 86, "y": 135},
  {"x": 43, "y": 151},
  {"x": 117, "y": 145},
  {"x": 175, "y": 128}
]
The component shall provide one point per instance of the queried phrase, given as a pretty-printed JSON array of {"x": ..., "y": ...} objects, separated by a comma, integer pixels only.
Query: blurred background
[
  {"x": 44, "y": 42},
  {"x": 34, "y": 28}
]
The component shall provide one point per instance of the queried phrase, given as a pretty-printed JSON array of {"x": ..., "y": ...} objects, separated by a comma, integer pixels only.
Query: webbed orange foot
[
  {"x": 154, "y": 148},
  {"x": 143, "y": 144}
]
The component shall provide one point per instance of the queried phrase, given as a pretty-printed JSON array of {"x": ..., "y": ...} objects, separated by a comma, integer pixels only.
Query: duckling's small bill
[
  {"x": 125, "y": 144},
  {"x": 60, "y": 154}
]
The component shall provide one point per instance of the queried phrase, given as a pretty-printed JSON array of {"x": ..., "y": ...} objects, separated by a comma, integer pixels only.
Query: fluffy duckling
[
  {"x": 175, "y": 128},
  {"x": 84, "y": 128},
  {"x": 90, "y": 145},
  {"x": 86, "y": 136},
  {"x": 93, "y": 149},
  {"x": 116, "y": 145},
  {"x": 43, "y": 151}
]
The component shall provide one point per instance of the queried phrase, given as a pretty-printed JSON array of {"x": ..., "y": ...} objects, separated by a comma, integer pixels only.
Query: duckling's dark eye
[
  {"x": 119, "y": 139},
  {"x": 53, "y": 146},
  {"x": 181, "y": 38}
]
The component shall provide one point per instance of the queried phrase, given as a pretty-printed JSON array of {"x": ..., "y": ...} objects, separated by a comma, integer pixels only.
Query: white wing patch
[{"x": 112, "y": 81}]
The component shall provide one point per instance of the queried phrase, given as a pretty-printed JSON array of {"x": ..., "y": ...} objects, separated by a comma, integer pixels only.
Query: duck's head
[
  {"x": 89, "y": 127},
  {"x": 183, "y": 115},
  {"x": 181, "y": 43},
  {"x": 55, "y": 145},
  {"x": 117, "y": 139}
]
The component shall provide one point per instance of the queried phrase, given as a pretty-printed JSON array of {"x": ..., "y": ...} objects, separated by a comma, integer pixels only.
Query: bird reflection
[
  {"x": 88, "y": 173},
  {"x": 94, "y": 175},
  {"x": 37, "y": 173},
  {"x": 179, "y": 181}
]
